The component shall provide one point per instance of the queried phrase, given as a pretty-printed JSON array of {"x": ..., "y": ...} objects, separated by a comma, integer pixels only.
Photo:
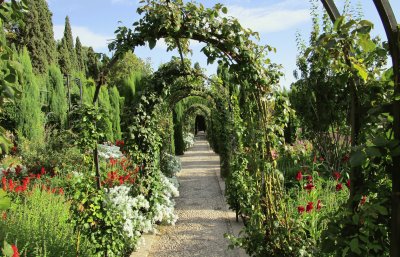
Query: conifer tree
[
  {"x": 30, "y": 120},
  {"x": 58, "y": 103},
  {"x": 64, "y": 60},
  {"x": 115, "y": 112},
  {"x": 69, "y": 41},
  {"x": 104, "y": 103},
  {"x": 80, "y": 56},
  {"x": 38, "y": 36},
  {"x": 92, "y": 64}
]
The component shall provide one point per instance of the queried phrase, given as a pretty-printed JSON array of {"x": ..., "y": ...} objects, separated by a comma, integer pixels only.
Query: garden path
[{"x": 203, "y": 214}]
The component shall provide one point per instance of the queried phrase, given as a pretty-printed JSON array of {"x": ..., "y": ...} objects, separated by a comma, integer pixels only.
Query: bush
[
  {"x": 188, "y": 140},
  {"x": 170, "y": 165},
  {"x": 38, "y": 223}
]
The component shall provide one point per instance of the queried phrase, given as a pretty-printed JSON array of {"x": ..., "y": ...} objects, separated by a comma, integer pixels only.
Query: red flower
[
  {"x": 309, "y": 178},
  {"x": 15, "y": 250},
  {"x": 336, "y": 175},
  {"x": 309, "y": 187},
  {"x": 4, "y": 216},
  {"x": 42, "y": 171},
  {"x": 339, "y": 187},
  {"x": 19, "y": 189},
  {"x": 299, "y": 176},
  {"x": 119, "y": 143},
  {"x": 61, "y": 191},
  {"x": 309, "y": 207},
  {"x": 113, "y": 161},
  {"x": 348, "y": 183},
  {"x": 18, "y": 169},
  {"x": 363, "y": 200},
  {"x": 300, "y": 209},
  {"x": 346, "y": 158},
  {"x": 4, "y": 182},
  {"x": 11, "y": 185},
  {"x": 319, "y": 205}
]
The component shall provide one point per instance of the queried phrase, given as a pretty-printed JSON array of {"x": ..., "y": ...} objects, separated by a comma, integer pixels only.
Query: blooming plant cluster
[
  {"x": 170, "y": 164},
  {"x": 10, "y": 250},
  {"x": 108, "y": 151},
  {"x": 188, "y": 139}
]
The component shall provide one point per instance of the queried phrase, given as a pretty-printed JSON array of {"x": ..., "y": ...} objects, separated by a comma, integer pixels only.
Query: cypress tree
[
  {"x": 115, "y": 112},
  {"x": 30, "y": 120},
  {"x": 104, "y": 103},
  {"x": 64, "y": 60},
  {"x": 92, "y": 64},
  {"x": 38, "y": 36},
  {"x": 178, "y": 129},
  {"x": 58, "y": 103},
  {"x": 69, "y": 41},
  {"x": 80, "y": 56}
]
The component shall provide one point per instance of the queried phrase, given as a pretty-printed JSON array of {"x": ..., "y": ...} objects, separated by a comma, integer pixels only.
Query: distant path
[{"x": 203, "y": 218}]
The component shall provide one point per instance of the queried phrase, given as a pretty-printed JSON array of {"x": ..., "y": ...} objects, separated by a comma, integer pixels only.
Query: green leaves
[{"x": 5, "y": 201}]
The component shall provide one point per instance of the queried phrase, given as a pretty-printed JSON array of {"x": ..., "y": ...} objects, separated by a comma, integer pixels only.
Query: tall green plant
[
  {"x": 30, "y": 121},
  {"x": 58, "y": 102}
]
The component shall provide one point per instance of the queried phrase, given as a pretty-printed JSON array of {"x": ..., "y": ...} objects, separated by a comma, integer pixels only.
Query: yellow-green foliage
[{"x": 115, "y": 111}]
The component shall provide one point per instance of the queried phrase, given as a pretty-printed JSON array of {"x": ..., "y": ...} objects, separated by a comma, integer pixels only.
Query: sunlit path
[{"x": 203, "y": 218}]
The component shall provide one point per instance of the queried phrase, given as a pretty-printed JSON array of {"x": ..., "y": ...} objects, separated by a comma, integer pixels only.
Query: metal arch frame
[{"x": 392, "y": 30}]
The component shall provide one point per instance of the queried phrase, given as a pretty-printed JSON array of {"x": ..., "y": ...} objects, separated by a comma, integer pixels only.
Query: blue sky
[{"x": 277, "y": 21}]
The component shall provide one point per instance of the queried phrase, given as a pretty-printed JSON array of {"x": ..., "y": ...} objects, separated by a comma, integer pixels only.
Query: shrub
[
  {"x": 38, "y": 223},
  {"x": 170, "y": 165}
]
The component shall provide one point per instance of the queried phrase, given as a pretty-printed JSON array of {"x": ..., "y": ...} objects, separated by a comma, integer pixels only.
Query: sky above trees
[{"x": 277, "y": 21}]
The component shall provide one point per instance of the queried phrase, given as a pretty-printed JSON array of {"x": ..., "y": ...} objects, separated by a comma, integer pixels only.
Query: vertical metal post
[{"x": 393, "y": 34}]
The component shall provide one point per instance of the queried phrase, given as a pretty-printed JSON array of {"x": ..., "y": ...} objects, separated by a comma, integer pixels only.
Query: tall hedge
[
  {"x": 58, "y": 102},
  {"x": 104, "y": 102},
  {"x": 30, "y": 120},
  {"x": 115, "y": 112},
  {"x": 178, "y": 129}
]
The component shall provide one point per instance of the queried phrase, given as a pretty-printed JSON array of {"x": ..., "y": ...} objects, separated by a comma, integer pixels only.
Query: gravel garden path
[{"x": 203, "y": 215}]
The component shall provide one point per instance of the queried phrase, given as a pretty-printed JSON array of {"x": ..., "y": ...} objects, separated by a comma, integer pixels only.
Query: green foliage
[
  {"x": 92, "y": 64},
  {"x": 68, "y": 40},
  {"x": 105, "y": 105},
  {"x": 37, "y": 35},
  {"x": 89, "y": 124},
  {"x": 30, "y": 120},
  {"x": 102, "y": 227},
  {"x": 5, "y": 201},
  {"x": 178, "y": 130},
  {"x": 81, "y": 65},
  {"x": 38, "y": 223},
  {"x": 58, "y": 102},
  {"x": 115, "y": 112}
]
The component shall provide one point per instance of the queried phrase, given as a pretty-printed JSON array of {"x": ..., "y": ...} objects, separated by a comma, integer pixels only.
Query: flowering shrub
[
  {"x": 109, "y": 151},
  {"x": 162, "y": 208},
  {"x": 188, "y": 139},
  {"x": 170, "y": 164},
  {"x": 132, "y": 209}
]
